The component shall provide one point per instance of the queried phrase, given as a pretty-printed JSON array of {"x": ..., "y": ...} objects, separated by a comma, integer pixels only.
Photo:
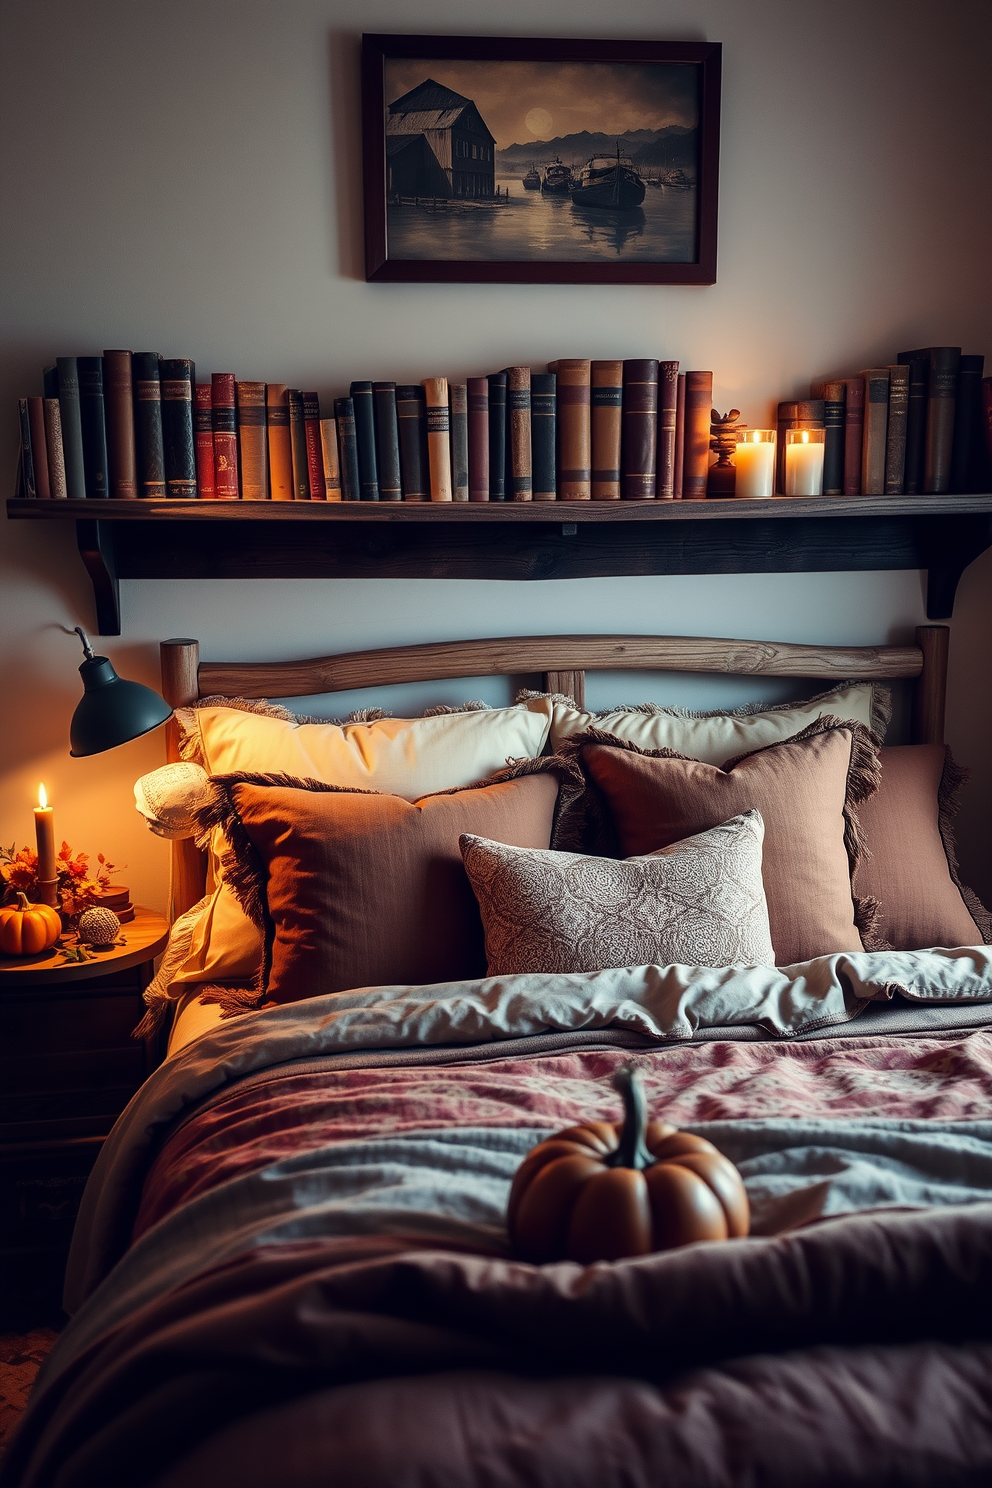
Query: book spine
[
  {"x": 94, "y": 427},
  {"x": 916, "y": 421},
  {"x": 833, "y": 396},
  {"x": 640, "y": 429},
  {"x": 478, "y": 439},
  {"x": 329, "y": 459},
  {"x": 119, "y": 398},
  {"x": 50, "y": 379},
  {"x": 344, "y": 415},
  {"x": 203, "y": 435},
  {"x": 458, "y": 419},
  {"x": 146, "y": 374},
  {"x": 985, "y": 480},
  {"x": 280, "y": 452},
  {"x": 253, "y": 444},
  {"x": 361, "y": 397},
  {"x": 387, "y": 441},
  {"x": 967, "y": 421},
  {"x": 606, "y": 423},
  {"x": 298, "y": 446},
  {"x": 895, "y": 441},
  {"x": 543, "y": 419},
  {"x": 519, "y": 475},
  {"x": 226, "y": 485},
  {"x": 28, "y": 486},
  {"x": 53, "y": 443},
  {"x": 941, "y": 391},
  {"x": 438, "y": 437},
  {"x": 678, "y": 474},
  {"x": 497, "y": 435},
  {"x": 698, "y": 412},
  {"x": 574, "y": 376},
  {"x": 876, "y": 424},
  {"x": 39, "y": 448},
  {"x": 786, "y": 420},
  {"x": 178, "y": 380},
  {"x": 411, "y": 419},
  {"x": 668, "y": 383},
  {"x": 72, "y": 432},
  {"x": 854, "y": 421},
  {"x": 311, "y": 435}
]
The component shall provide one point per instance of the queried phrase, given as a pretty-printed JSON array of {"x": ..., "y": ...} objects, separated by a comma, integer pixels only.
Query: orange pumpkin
[
  {"x": 599, "y": 1192},
  {"x": 26, "y": 929}
]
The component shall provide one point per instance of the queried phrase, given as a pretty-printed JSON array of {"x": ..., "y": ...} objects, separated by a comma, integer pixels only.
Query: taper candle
[{"x": 44, "y": 829}]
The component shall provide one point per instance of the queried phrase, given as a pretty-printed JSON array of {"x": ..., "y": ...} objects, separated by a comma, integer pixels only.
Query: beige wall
[{"x": 186, "y": 177}]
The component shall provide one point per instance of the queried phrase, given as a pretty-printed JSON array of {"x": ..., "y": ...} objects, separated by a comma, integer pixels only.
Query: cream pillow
[{"x": 716, "y": 738}]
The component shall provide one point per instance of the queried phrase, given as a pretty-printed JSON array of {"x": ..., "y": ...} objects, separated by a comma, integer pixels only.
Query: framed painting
[{"x": 540, "y": 161}]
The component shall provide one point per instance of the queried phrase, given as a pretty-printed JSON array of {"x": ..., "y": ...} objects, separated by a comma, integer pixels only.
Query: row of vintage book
[
  {"x": 921, "y": 426},
  {"x": 135, "y": 425}
]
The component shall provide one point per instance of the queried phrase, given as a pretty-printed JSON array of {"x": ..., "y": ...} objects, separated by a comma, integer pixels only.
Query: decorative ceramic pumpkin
[
  {"x": 599, "y": 1192},
  {"x": 27, "y": 929},
  {"x": 98, "y": 926}
]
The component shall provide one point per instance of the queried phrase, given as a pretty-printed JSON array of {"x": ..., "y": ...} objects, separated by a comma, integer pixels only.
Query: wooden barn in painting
[{"x": 438, "y": 144}]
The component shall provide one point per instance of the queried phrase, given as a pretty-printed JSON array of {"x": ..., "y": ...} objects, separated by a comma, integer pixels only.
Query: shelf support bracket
[
  {"x": 95, "y": 541},
  {"x": 953, "y": 546}
]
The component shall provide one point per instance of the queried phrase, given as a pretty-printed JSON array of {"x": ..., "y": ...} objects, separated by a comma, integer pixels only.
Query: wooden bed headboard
[{"x": 561, "y": 662}]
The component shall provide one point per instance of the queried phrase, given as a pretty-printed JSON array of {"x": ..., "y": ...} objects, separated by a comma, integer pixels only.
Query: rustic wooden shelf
[{"x": 539, "y": 540}]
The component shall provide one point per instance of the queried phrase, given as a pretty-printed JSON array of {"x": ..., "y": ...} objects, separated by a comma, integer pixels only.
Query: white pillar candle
[
  {"x": 44, "y": 830},
  {"x": 754, "y": 461},
  {"x": 804, "y": 463}
]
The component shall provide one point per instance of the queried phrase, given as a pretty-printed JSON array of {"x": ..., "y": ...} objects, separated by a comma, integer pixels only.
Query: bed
[{"x": 291, "y": 1264}]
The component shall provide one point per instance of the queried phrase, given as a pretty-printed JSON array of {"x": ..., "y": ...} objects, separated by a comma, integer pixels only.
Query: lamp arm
[{"x": 87, "y": 648}]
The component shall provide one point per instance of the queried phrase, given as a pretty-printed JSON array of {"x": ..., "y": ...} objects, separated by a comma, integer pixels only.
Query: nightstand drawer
[
  {"x": 55, "y": 1021},
  {"x": 40, "y": 1192}
]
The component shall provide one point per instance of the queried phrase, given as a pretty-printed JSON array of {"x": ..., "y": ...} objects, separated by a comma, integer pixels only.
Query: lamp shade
[{"x": 111, "y": 710}]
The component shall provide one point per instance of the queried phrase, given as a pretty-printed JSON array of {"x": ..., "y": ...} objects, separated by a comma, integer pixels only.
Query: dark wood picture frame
[{"x": 378, "y": 50}]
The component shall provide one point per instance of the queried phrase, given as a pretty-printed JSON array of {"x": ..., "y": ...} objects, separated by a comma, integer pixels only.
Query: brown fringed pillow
[
  {"x": 807, "y": 788},
  {"x": 912, "y": 867},
  {"x": 355, "y": 889}
]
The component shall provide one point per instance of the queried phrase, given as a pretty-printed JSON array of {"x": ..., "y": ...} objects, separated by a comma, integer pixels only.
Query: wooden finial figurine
[{"x": 724, "y": 433}]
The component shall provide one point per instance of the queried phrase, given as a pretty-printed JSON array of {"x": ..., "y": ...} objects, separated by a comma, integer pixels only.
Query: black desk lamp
[{"x": 111, "y": 710}]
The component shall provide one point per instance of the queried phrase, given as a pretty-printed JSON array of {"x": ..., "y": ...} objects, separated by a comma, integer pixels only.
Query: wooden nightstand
[{"x": 68, "y": 1067}]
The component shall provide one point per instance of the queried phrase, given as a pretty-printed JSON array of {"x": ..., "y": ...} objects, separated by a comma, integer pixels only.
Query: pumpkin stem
[
  {"x": 23, "y": 902},
  {"x": 631, "y": 1149}
]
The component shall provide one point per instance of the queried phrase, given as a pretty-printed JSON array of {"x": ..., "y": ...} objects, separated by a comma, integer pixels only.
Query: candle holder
[
  {"x": 754, "y": 459},
  {"x": 804, "y": 449},
  {"x": 724, "y": 434},
  {"x": 48, "y": 892}
]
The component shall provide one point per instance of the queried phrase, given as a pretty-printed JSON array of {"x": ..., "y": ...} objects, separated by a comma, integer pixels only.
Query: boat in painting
[
  {"x": 532, "y": 180},
  {"x": 557, "y": 178},
  {"x": 609, "y": 181}
]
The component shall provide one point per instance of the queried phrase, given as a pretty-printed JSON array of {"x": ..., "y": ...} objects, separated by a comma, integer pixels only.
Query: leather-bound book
[
  {"x": 344, "y": 417},
  {"x": 606, "y": 424},
  {"x": 411, "y": 418},
  {"x": 39, "y": 448},
  {"x": 280, "y": 452},
  {"x": 329, "y": 459},
  {"x": 149, "y": 447},
  {"x": 298, "y": 446},
  {"x": 519, "y": 467},
  {"x": 967, "y": 425},
  {"x": 226, "y": 483},
  {"x": 542, "y": 435},
  {"x": 118, "y": 393},
  {"x": 497, "y": 436},
  {"x": 53, "y": 444},
  {"x": 640, "y": 429},
  {"x": 178, "y": 379},
  {"x": 833, "y": 396},
  {"x": 72, "y": 432},
  {"x": 458, "y": 420},
  {"x": 574, "y": 376},
  {"x": 28, "y": 487},
  {"x": 698, "y": 411},
  {"x": 92, "y": 420},
  {"x": 942, "y": 377},
  {"x": 895, "y": 439},
  {"x": 438, "y": 437},
  {"x": 668, "y": 386},
  {"x": 854, "y": 421},
  {"x": 203, "y": 437},
  {"x": 876, "y": 427},
  {"x": 253, "y": 444},
  {"x": 387, "y": 441},
  {"x": 311, "y": 434},
  {"x": 678, "y": 474},
  {"x": 368, "y": 468},
  {"x": 478, "y": 439},
  {"x": 916, "y": 424}
]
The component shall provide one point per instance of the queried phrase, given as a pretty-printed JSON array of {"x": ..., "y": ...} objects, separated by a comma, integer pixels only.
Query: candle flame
[
  {"x": 42, "y": 797},
  {"x": 805, "y": 437}
]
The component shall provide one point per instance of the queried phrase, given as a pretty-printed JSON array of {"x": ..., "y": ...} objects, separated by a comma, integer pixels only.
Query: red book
[
  {"x": 225, "y": 437},
  {"x": 679, "y": 455},
  {"x": 203, "y": 434},
  {"x": 698, "y": 417},
  {"x": 854, "y": 420},
  {"x": 668, "y": 387},
  {"x": 315, "y": 455},
  {"x": 478, "y": 439}
]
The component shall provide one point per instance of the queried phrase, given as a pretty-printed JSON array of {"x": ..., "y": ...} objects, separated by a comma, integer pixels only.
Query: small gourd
[
  {"x": 604, "y": 1191},
  {"x": 98, "y": 926},
  {"x": 26, "y": 929}
]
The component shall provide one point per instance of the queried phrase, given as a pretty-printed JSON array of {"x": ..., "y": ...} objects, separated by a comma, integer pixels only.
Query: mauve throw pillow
[
  {"x": 805, "y": 789},
  {"x": 697, "y": 903},
  {"x": 361, "y": 889}
]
